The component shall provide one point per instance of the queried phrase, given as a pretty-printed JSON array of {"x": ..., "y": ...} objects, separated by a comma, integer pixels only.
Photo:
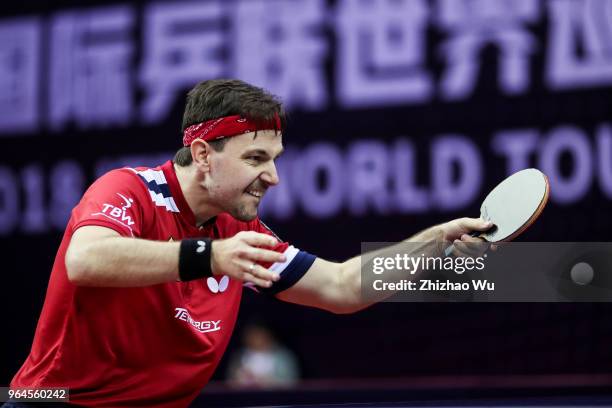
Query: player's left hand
[{"x": 239, "y": 257}]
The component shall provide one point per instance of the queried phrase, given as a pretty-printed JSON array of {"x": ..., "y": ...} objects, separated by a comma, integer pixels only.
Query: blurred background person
[{"x": 262, "y": 361}]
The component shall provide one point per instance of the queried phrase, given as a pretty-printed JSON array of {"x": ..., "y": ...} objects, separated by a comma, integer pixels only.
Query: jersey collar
[
  {"x": 179, "y": 198},
  {"x": 177, "y": 193}
]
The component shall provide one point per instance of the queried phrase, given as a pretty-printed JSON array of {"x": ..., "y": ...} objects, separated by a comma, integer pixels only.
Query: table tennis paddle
[{"x": 513, "y": 205}]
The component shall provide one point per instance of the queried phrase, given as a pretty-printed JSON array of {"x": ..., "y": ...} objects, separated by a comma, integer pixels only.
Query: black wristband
[{"x": 194, "y": 259}]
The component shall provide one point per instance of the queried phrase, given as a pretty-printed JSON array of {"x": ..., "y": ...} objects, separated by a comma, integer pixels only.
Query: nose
[{"x": 270, "y": 175}]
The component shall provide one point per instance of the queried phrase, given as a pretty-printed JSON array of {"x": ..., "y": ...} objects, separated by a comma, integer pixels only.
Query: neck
[{"x": 195, "y": 194}]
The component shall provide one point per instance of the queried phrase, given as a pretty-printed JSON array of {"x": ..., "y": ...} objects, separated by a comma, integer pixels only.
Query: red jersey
[{"x": 149, "y": 346}]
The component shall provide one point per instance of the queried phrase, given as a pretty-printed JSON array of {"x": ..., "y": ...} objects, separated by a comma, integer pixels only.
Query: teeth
[{"x": 255, "y": 193}]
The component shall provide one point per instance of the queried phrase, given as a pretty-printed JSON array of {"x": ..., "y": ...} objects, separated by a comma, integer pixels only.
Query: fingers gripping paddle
[{"x": 513, "y": 205}]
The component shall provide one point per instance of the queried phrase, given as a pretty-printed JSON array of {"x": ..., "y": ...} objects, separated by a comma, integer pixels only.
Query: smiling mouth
[{"x": 257, "y": 194}]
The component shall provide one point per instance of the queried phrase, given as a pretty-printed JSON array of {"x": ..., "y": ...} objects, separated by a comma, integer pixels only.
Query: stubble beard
[{"x": 242, "y": 213}]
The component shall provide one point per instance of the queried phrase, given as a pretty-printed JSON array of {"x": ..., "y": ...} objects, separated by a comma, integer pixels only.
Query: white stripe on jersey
[
  {"x": 162, "y": 201},
  {"x": 290, "y": 253},
  {"x": 157, "y": 176},
  {"x": 154, "y": 175}
]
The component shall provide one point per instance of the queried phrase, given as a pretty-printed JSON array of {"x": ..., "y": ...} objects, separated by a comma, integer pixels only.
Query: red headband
[{"x": 226, "y": 126}]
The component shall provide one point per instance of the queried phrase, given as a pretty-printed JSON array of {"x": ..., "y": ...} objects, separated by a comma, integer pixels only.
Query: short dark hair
[{"x": 216, "y": 98}]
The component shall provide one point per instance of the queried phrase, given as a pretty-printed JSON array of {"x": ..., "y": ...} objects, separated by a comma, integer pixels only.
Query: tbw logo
[{"x": 119, "y": 213}]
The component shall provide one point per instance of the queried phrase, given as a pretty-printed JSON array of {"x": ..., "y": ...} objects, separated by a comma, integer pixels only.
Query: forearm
[
  {"x": 337, "y": 287},
  {"x": 99, "y": 256},
  {"x": 427, "y": 242},
  {"x": 123, "y": 262}
]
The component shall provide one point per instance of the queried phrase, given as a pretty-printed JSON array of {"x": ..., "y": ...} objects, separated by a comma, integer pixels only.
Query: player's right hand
[
  {"x": 464, "y": 245},
  {"x": 239, "y": 256}
]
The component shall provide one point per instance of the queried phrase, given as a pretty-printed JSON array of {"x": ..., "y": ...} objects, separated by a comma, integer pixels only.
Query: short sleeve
[
  {"x": 114, "y": 201},
  {"x": 297, "y": 262}
]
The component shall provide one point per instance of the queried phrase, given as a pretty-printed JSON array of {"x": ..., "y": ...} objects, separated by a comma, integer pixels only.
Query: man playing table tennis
[{"x": 146, "y": 285}]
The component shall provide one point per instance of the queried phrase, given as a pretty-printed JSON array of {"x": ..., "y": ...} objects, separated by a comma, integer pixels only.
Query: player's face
[{"x": 242, "y": 172}]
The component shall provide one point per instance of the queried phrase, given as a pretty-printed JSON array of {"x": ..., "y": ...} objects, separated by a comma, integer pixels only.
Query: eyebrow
[{"x": 262, "y": 152}]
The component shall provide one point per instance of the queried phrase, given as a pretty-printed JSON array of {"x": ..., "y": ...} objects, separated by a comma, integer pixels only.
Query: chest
[{"x": 163, "y": 225}]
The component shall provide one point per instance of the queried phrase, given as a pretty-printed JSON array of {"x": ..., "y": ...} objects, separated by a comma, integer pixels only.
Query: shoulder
[
  {"x": 123, "y": 175},
  {"x": 122, "y": 181}
]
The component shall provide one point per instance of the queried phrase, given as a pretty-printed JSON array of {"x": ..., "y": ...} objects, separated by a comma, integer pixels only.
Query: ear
[{"x": 200, "y": 153}]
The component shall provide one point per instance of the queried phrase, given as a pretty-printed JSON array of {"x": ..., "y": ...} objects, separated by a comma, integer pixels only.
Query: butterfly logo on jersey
[{"x": 217, "y": 286}]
